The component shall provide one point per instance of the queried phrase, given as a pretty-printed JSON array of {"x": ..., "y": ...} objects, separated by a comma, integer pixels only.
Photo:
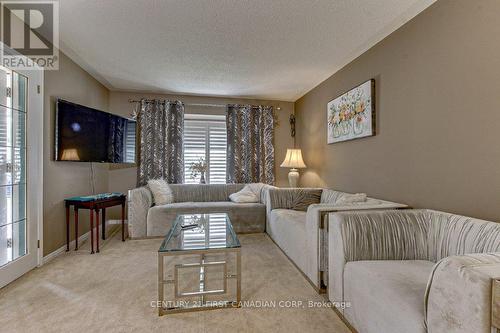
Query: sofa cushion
[
  {"x": 203, "y": 192},
  {"x": 249, "y": 194},
  {"x": 245, "y": 217},
  {"x": 162, "y": 193},
  {"x": 452, "y": 234},
  {"x": 287, "y": 228},
  {"x": 386, "y": 295},
  {"x": 294, "y": 198}
]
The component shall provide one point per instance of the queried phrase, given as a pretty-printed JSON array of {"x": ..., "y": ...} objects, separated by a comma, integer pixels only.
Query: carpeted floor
[{"x": 112, "y": 292}]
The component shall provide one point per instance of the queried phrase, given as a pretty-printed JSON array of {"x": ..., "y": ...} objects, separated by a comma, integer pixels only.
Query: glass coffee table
[{"x": 199, "y": 265}]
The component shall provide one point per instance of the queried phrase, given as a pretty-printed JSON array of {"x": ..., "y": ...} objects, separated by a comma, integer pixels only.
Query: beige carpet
[{"x": 112, "y": 292}]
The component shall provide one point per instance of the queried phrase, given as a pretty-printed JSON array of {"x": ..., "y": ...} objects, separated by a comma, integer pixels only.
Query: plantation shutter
[
  {"x": 130, "y": 142},
  {"x": 205, "y": 138}
]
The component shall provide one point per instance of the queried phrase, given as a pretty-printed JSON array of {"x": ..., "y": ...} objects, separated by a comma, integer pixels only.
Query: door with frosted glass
[
  {"x": 20, "y": 123},
  {"x": 12, "y": 166}
]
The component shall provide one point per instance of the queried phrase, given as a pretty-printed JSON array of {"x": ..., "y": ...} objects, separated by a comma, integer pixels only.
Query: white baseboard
[
  {"x": 82, "y": 238},
  {"x": 62, "y": 249}
]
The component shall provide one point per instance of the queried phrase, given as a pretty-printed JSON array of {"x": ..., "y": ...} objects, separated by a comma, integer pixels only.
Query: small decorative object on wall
[
  {"x": 352, "y": 115},
  {"x": 292, "y": 125}
]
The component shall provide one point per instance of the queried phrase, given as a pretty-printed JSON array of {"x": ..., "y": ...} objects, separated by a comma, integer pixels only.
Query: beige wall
[
  {"x": 438, "y": 117},
  {"x": 66, "y": 179},
  {"x": 123, "y": 179}
]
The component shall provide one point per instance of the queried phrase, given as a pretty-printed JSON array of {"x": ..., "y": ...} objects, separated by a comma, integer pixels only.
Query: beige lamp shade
[
  {"x": 293, "y": 159},
  {"x": 70, "y": 155}
]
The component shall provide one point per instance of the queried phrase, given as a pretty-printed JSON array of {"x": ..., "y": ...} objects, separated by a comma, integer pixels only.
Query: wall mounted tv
[{"x": 84, "y": 134}]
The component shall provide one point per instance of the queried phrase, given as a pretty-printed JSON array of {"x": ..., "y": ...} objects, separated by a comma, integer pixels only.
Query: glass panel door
[
  {"x": 13, "y": 97},
  {"x": 21, "y": 171}
]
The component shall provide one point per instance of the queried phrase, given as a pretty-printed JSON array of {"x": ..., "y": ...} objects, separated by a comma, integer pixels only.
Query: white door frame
[
  {"x": 34, "y": 139},
  {"x": 34, "y": 180}
]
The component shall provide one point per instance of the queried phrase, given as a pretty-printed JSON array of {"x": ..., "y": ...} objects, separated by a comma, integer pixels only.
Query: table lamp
[{"x": 293, "y": 160}]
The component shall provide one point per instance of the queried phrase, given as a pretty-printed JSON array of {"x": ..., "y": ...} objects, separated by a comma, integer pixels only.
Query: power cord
[{"x": 92, "y": 178}]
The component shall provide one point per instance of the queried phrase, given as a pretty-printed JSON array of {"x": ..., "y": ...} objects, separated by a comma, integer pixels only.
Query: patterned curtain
[
  {"x": 250, "y": 144},
  {"x": 161, "y": 131},
  {"x": 116, "y": 138}
]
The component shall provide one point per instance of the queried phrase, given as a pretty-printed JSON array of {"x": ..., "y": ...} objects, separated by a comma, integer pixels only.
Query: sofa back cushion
[
  {"x": 203, "y": 192},
  {"x": 451, "y": 235},
  {"x": 294, "y": 198},
  {"x": 382, "y": 235}
]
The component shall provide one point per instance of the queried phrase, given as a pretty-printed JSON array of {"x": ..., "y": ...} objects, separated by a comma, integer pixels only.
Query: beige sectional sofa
[
  {"x": 413, "y": 270},
  {"x": 397, "y": 270},
  {"x": 303, "y": 234},
  {"x": 145, "y": 219}
]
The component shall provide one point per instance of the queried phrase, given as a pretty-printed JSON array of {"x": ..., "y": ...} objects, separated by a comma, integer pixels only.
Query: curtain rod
[
  {"x": 189, "y": 104},
  {"x": 192, "y": 104}
]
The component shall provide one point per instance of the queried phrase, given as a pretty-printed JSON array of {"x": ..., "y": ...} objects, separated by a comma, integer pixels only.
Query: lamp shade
[
  {"x": 293, "y": 159},
  {"x": 70, "y": 155}
]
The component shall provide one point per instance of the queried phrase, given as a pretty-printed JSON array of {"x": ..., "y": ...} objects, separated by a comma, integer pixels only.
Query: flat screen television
[{"x": 84, "y": 134}]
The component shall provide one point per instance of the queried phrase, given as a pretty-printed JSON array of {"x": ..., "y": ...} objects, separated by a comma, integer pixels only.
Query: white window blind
[
  {"x": 205, "y": 137},
  {"x": 130, "y": 142}
]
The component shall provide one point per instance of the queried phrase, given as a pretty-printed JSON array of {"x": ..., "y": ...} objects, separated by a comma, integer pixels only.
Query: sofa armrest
[
  {"x": 316, "y": 242},
  {"x": 264, "y": 193},
  {"x": 266, "y": 200},
  {"x": 459, "y": 293},
  {"x": 373, "y": 235},
  {"x": 317, "y": 233},
  {"x": 495, "y": 303},
  {"x": 139, "y": 201}
]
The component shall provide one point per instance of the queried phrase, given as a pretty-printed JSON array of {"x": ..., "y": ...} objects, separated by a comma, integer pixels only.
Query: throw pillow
[
  {"x": 347, "y": 199},
  {"x": 331, "y": 196},
  {"x": 162, "y": 193},
  {"x": 248, "y": 194},
  {"x": 294, "y": 198}
]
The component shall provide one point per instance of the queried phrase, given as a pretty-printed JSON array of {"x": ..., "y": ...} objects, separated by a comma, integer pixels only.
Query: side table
[{"x": 94, "y": 203}]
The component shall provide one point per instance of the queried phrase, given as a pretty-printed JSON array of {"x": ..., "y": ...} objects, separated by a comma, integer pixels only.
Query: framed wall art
[{"x": 352, "y": 115}]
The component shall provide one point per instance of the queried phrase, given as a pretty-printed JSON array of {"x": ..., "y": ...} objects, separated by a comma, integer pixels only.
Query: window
[
  {"x": 205, "y": 137},
  {"x": 130, "y": 142}
]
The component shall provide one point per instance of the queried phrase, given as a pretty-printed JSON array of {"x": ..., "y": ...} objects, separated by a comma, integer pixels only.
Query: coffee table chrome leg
[
  {"x": 203, "y": 279},
  {"x": 238, "y": 277},
  {"x": 160, "y": 284}
]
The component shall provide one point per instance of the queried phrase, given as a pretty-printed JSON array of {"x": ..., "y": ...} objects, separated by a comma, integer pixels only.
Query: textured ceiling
[{"x": 270, "y": 49}]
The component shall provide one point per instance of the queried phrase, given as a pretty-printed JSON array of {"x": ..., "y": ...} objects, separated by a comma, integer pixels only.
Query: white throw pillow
[
  {"x": 330, "y": 196},
  {"x": 249, "y": 194},
  {"x": 347, "y": 199},
  {"x": 161, "y": 191}
]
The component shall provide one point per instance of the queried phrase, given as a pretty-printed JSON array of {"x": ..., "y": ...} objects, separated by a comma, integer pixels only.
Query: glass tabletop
[{"x": 200, "y": 232}]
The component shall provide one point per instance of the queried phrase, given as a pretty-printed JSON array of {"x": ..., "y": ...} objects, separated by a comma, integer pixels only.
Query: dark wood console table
[{"x": 94, "y": 203}]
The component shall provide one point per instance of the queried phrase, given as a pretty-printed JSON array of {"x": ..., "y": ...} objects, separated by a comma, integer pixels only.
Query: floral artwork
[{"x": 352, "y": 115}]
